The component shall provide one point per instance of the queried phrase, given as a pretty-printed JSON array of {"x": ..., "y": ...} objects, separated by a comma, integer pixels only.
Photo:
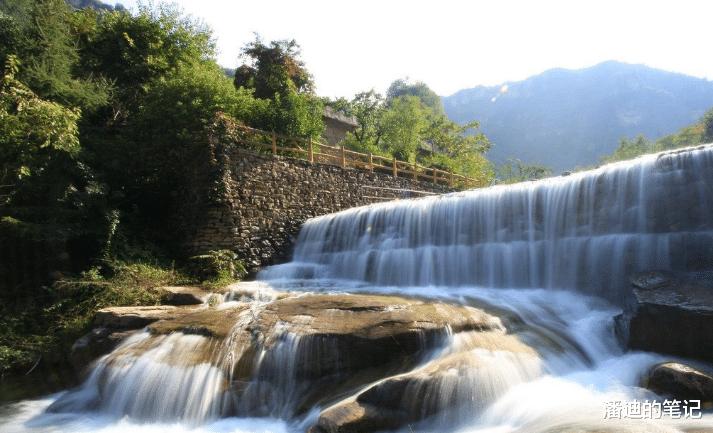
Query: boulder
[
  {"x": 96, "y": 343},
  {"x": 681, "y": 381},
  {"x": 352, "y": 416},
  {"x": 460, "y": 383},
  {"x": 316, "y": 349},
  {"x": 287, "y": 356},
  {"x": 184, "y": 295},
  {"x": 113, "y": 325},
  {"x": 363, "y": 331},
  {"x": 669, "y": 313}
]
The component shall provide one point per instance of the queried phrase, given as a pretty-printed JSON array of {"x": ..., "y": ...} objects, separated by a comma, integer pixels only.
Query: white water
[
  {"x": 586, "y": 231},
  {"x": 552, "y": 253}
]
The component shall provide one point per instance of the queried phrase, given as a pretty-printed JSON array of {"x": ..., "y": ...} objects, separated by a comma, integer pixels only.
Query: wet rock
[
  {"x": 460, "y": 384},
  {"x": 363, "y": 331},
  {"x": 681, "y": 381},
  {"x": 313, "y": 350},
  {"x": 352, "y": 416},
  {"x": 287, "y": 356},
  {"x": 184, "y": 296},
  {"x": 96, "y": 343},
  {"x": 669, "y": 313},
  {"x": 134, "y": 317},
  {"x": 209, "y": 322}
]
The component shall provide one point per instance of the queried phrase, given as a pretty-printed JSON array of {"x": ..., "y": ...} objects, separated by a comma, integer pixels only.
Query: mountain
[
  {"x": 563, "y": 118},
  {"x": 96, "y": 5}
]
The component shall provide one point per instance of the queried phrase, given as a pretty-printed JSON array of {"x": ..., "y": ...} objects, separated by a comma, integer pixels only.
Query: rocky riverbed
[{"x": 370, "y": 362}]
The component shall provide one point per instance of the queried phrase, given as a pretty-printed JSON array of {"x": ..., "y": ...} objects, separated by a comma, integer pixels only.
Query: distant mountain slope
[
  {"x": 97, "y": 5},
  {"x": 564, "y": 118}
]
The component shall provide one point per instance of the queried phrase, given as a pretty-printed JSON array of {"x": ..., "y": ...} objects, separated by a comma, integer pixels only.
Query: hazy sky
[{"x": 450, "y": 45}]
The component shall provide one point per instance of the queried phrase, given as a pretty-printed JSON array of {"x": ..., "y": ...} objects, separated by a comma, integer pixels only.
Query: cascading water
[
  {"x": 550, "y": 257},
  {"x": 586, "y": 231}
]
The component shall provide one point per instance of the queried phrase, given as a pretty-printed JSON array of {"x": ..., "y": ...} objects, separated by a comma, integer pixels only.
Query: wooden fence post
[{"x": 436, "y": 175}]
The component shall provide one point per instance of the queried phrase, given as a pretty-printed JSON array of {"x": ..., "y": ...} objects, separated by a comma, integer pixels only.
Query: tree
[
  {"x": 367, "y": 108},
  {"x": 273, "y": 69},
  {"x": 514, "y": 170},
  {"x": 411, "y": 125},
  {"x": 707, "y": 122},
  {"x": 629, "y": 149},
  {"x": 32, "y": 132},
  {"x": 170, "y": 129},
  {"x": 452, "y": 148},
  {"x": 130, "y": 51},
  {"x": 428, "y": 97},
  {"x": 48, "y": 48},
  {"x": 402, "y": 126},
  {"x": 14, "y": 19},
  {"x": 274, "y": 73}
]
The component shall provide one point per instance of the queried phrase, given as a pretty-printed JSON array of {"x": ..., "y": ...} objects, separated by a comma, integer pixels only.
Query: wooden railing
[{"x": 340, "y": 156}]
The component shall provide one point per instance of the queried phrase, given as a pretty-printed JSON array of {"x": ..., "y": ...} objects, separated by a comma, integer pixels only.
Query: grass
[{"x": 64, "y": 312}]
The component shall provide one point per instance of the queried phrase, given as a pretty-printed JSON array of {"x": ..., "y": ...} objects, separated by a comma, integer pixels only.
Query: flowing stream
[{"x": 554, "y": 254}]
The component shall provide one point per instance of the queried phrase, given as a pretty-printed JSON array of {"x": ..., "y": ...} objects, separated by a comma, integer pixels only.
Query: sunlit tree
[{"x": 275, "y": 73}]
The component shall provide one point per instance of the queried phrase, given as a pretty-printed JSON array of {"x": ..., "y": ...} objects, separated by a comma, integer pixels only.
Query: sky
[{"x": 352, "y": 47}]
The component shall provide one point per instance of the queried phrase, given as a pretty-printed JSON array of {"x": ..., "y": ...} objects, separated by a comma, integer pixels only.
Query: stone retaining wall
[{"x": 267, "y": 198}]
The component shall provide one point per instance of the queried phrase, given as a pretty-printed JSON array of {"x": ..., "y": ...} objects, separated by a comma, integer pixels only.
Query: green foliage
[
  {"x": 10, "y": 356},
  {"x": 691, "y": 135},
  {"x": 629, "y": 149},
  {"x": 180, "y": 104},
  {"x": 32, "y": 132},
  {"x": 273, "y": 69},
  {"x": 10, "y": 29},
  {"x": 275, "y": 74},
  {"x": 170, "y": 128},
  {"x": 131, "y": 51},
  {"x": 112, "y": 283},
  {"x": 25, "y": 330},
  {"x": 514, "y": 170},
  {"x": 453, "y": 149},
  {"x": 410, "y": 124},
  {"x": 93, "y": 203},
  {"x": 428, "y": 97},
  {"x": 220, "y": 263},
  {"x": 707, "y": 124},
  {"x": 292, "y": 115},
  {"x": 48, "y": 46},
  {"x": 367, "y": 108},
  {"x": 402, "y": 127}
]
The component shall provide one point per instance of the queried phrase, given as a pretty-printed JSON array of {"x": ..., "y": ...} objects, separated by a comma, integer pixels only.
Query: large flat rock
[
  {"x": 366, "y": 357},
  {"x": 134, "y": 317}
]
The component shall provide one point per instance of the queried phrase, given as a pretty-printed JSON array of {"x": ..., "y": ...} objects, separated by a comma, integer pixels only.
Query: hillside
[
  {"x": 563, "y": 118},
  {"x": 97, "y": 5}
]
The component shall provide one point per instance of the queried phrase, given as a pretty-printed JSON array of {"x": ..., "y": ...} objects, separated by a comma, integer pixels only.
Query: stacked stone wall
[{"x": 267, "y": 199}]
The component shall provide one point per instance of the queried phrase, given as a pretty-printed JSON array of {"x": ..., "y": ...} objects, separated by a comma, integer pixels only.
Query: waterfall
[
  {"x": 545, "y": 360},
  {"x": 586, "y": 231}
]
